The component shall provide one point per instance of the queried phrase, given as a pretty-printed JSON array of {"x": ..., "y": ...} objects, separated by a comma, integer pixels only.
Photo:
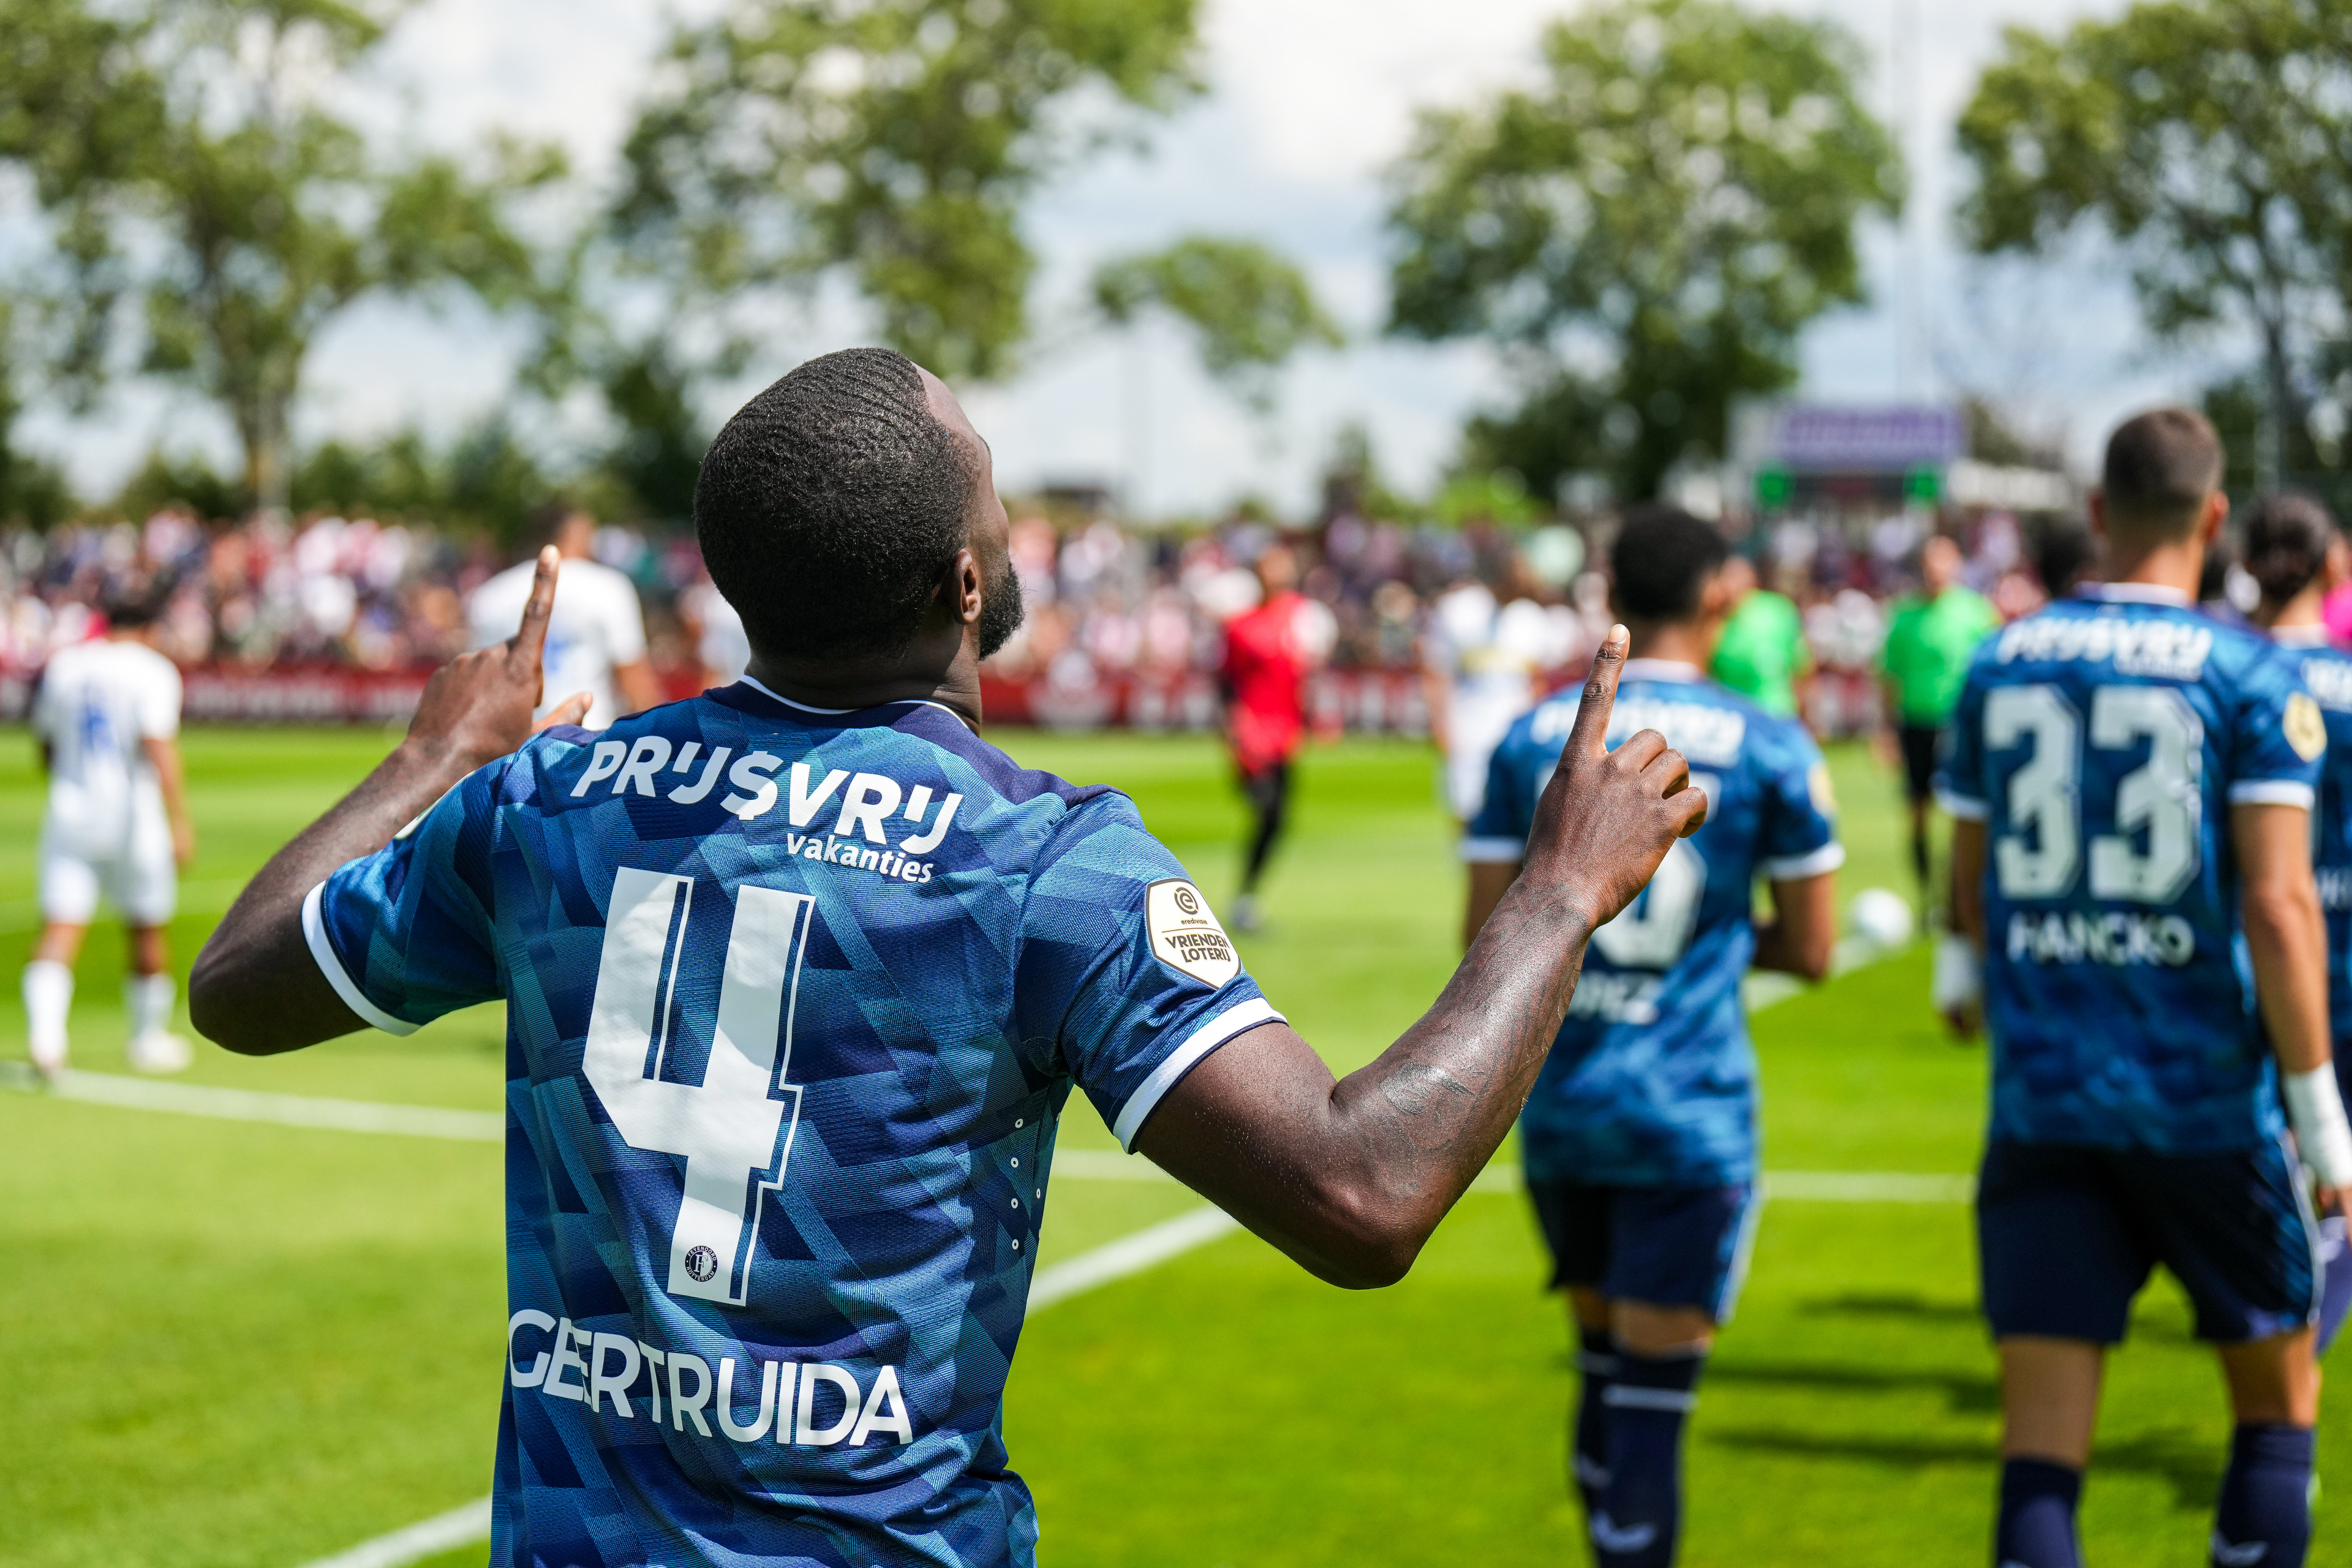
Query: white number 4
[{"x": 735, "y": 1127}]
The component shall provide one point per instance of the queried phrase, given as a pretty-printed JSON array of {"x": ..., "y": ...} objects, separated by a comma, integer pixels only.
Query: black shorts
[
  {"x": 1670, "y": 1246},
  {"x": 2066, "y": 1237},
  {"x": 1923, "y": 748}
]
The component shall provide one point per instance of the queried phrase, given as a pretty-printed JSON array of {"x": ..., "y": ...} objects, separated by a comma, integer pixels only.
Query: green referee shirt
[
  {"x": 1763, "y": 651},
  {"x": 1928, "y": 644}
]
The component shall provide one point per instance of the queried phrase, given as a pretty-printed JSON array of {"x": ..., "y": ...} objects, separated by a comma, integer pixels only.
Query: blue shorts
[
  {"x": 2067, "y": 1237},
  {"x": 1670, "y": 1246}
]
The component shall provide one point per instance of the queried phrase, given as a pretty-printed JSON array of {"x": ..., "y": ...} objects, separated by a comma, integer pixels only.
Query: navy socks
[
  {"x": 1636, "y": 1515},
  {"x": 1588, "y": 1447},
  {"x": 2036, "y": 1528},
  {"x": 2264, "y": 1516}
]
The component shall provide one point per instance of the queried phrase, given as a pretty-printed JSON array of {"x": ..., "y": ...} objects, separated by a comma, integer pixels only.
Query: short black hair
[
  {"x": 2287, "y": 536},
  {"x": 547, "y": 518},
  {"x": 1662, "y": 558},
  {"x": 832, "y": 504},
  {"x": 2161, "y": 466},
  {"x": 135, "y": 600}
]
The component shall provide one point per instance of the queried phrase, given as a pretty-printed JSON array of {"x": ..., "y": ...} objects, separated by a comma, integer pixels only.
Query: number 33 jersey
[
  {"x": 2103, "y": 743},
  {"x": 1651, "y": 1081},
  {"x": 793, "y": 1003}
]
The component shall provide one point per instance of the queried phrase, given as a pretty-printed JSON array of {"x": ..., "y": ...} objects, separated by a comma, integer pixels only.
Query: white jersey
[
  {"x": 1490, "y": 655},
  {"x": 596, "y": 624},
  {"x": 98, "y": 700}
]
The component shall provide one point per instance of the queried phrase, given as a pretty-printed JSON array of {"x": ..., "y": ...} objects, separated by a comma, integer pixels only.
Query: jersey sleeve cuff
[
  {"x": 1968, "y": 808},
  {"x": 1492, "y": 851},
  {"x": 314, "y": 932},
  {"x": 2273, "y": 792},
  {"x": 1233, "y": 1020},
  {"x": 1788, "y": 869}
]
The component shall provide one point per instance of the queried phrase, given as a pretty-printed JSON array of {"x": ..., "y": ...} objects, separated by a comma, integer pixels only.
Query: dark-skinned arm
[
  {"x": 1349, "y": 1177},
  {"x": 255, "y": 989},
  {"x": 1801, "y": 936}
]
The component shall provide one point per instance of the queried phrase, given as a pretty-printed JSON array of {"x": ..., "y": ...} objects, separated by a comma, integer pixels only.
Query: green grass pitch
[{"x": 229, "y": 1345}]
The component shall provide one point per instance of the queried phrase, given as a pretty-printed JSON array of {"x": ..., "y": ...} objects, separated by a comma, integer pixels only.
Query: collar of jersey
[
  {"x": 2135, "y": 594},
  {"x": 1660, "y": 669},
  {"x": 842, "y": 712},
  {"x": 2300, "y": 636}
]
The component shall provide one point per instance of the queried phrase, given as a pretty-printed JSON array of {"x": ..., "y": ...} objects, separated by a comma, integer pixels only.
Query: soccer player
[
  {"x": 2296, "y": 554},
  {"x": 1269, "y": 652},
  {"x": 1640, "y": 1137},
  {"x": 2133, "y": 783},
  {"x": 1480, "y": 657},
  {"x": 1762, "y": 654},
  {"x": 596, "y": 639},
  {"x": 798, "y": 974},
  {"x": 1929, "y": 642},
  {"x": 108, "y": 719}
]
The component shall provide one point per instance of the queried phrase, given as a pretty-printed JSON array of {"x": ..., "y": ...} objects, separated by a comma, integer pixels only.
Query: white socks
[
  {"x": 149, "y": 998},
  {"x": 49, "y": 996}
]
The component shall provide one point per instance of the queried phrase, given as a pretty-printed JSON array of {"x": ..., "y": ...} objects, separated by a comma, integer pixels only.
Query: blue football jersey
[
  {"x": 1651, "y": 1081},
  {"x": 2326, "y": 672},
  {"x": 2102, "y": 743},
  {"x": 794, "y": 1000}
]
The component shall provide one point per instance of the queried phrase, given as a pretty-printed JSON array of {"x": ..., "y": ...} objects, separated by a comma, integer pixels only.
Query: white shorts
[{"x": 136, "y": 874}]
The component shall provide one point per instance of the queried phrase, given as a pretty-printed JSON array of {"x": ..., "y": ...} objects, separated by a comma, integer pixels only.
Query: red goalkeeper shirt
[{"x": 1268, "y": 652}]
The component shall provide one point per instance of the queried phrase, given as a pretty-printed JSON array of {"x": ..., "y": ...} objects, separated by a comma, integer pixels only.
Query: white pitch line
[
  {"x": 1133, "y": 1254},
  {"x": 426, "y": 1538},
  {"x": 279, "y": 1109}
]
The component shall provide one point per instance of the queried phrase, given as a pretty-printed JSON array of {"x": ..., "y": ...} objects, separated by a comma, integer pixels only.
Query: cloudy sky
[{"x": 1308, "y": 100}]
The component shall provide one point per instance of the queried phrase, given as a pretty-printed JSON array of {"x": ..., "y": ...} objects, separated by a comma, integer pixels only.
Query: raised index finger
[
  {"x": 531, "y": 637},
  {"x": 1590, "y": 732}
]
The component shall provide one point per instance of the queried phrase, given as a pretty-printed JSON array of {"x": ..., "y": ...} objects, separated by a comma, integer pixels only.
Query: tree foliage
[
  {"x": 892, "y": 142},
  {"x": 1648, "y": 230},
  {"x": 2212, "y": 139},
  {"x": 1250, "y": 308},
  {"x": 195, "y": 162}
]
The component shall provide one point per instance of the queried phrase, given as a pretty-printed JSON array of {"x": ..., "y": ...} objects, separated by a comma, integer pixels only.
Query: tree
[
  {"x": 1249, "y": 308},
  {"x": 1645, "y": 233},
  {"x": 893, "y": 142},
  {"x": 2212, "y": 141},
  {"x": 192, "y": 156}
]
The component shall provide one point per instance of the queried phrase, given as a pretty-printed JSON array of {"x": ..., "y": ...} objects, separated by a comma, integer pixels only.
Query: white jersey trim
[
  {"x": 2273, "y": 792},
  {"x": 314, "y": 932},
  {"x": 1965, "y": 808},
  {"x": 2135, "y": 594},
  {"x": 806, "y": 708},
  {"x": 1495, "y": 851},
  {"x": 2300, "y": 637},
  {"x": 1828, "y": 857},
  {"x": 1184, "y": 1058}
]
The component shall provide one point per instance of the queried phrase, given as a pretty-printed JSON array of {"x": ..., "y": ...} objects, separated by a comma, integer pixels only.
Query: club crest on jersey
[
  {"x": 1185, "y": 935},
  {"x": 2305, "y": 730}
]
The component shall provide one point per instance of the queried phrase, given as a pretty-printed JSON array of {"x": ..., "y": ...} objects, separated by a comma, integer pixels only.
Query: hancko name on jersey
[
  {"x": 1701, "y": 732},
  {"x": 2163, "y": 649},
  {"x": 803, "y": 1403},
  {"x": 2114, "y": 938}
]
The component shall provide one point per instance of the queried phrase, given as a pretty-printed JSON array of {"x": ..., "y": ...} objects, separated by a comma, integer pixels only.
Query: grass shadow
[
  {"x": 1965, "y": 1392},
  {"x": 2190, "y": 1464},
  {"x": 1893, "y": 1304}
]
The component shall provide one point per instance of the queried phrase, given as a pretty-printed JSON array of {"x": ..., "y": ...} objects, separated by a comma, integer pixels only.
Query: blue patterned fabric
[
  {"x": 794, "y": 1000},
  {"x": 1651, "y": 1081},
  {"x": 2103, "y": 742},
  {"x": 2326, "y": 674}
]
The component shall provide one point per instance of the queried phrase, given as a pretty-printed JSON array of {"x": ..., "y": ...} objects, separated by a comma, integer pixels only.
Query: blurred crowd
[{"x": 1105, "y": 602}]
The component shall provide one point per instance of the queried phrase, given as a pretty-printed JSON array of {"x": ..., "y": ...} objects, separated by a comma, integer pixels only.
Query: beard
[{"x": 1000, "y": 608}]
